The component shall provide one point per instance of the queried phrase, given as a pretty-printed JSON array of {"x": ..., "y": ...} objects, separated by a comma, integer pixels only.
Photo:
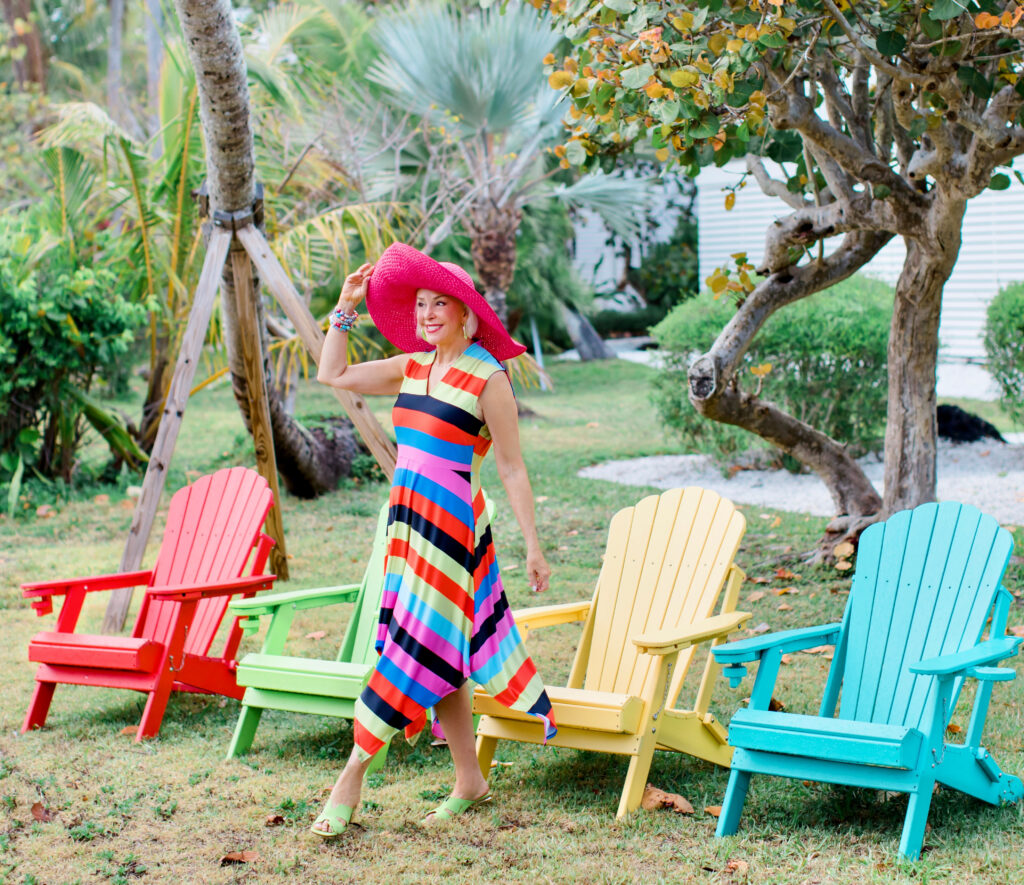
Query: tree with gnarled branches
[{"x": 886, "y": 119}]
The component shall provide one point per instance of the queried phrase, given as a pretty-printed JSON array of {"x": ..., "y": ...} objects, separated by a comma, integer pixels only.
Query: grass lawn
[{"x": 169, "y": 810}]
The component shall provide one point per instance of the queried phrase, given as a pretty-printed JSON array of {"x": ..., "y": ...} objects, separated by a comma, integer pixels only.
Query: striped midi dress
[{"x": 444, "y": 617}]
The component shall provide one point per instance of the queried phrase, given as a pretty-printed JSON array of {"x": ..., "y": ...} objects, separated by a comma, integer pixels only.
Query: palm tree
[{"x": 475, "y": 80}]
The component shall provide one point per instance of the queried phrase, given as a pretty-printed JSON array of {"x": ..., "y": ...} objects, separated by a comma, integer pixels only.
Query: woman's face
[{"x": 439, "y": 317}]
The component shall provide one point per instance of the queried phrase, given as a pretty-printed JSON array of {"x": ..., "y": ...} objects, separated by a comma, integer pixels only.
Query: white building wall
[{"x": 992, "y": 255}]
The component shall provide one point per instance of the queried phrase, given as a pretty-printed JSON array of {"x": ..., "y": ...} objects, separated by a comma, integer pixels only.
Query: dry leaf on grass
[
  {"x": 713, "y": 810},
  {"x": 654, "y": 798},
  {"x": 239, "y": 857},
  {"x": 759, "y": 629},
  {"x": 573, "y": 532},
  {"x": 42, "y": 814},
  {"x": 759, "y": 580},
  {"x": 101, "y": 499},
  {"x": 786, "y": 659},
  {"x": 1017, "y": 630},
  {"x": 274, "y": 820},
  {"x": 784, "y": 607},
  {"x": 316, "y": 634},
  {"x": 784, "y": 574},
  {"x": 737, "y": 867},
  {"x": 953, "y": 728},
  {"x": 785, "y": 591},
  {"x": 819, "y": 650},
  {"x": 129, "y": 729},
  {"x": 755, "y": 596},
  {"x": 776, "y": 706},
  {"x": 45, "y": 511}
]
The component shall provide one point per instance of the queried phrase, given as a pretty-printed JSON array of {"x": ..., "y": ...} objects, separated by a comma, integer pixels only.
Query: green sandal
[
  {"x": 452, "y": 807},
  {"x": 337, "y": 817}
]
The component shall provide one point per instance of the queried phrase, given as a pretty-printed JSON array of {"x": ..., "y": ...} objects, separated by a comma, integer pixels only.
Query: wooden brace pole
[
  {"x": 259, "y": 407},
  {"x": 276, "y": 280},
  {"x": 170, "y": 423}
]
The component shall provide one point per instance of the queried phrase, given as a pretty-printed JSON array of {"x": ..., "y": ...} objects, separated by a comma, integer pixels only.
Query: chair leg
[
  {"x": 485, "y": 747},
  {"x": 39, "y": 706},
  {"x": 379, "y": 758},
  {"x": 732, "y": 806},
  {"x": 153, "y": 714},
  {"x": 636, "y": 776},
  {"x": 915, "y": 821},
  {"x": 245, "y": 731}
]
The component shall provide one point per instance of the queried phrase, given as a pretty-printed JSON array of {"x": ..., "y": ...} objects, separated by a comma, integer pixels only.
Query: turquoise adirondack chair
[
  {"x": 276, "y": 681},
  {"x": 926, "y": 584}
]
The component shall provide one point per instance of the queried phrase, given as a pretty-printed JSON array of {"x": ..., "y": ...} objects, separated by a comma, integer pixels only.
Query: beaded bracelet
[{"x": 342, "y": 321}]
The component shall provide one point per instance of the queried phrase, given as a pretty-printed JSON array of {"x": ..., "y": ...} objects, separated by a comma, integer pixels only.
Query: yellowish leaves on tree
[
  {"x": 684, "y": 78},
  {"x": 717, "y": 282},
  {"x": 748, "y": 33},
  {"x": 701, "y": 100},
  {"x": 717, "y": 43},
  {"x": 788, "y": 25},
  {"x": 723, "y": 80},
  {"x": 662, "y": 155},
  {"x": 580, "y": 87},
  {"x": 734, "y": 45},
  {"x": 683, "y": 22},
  {"x": 703, "y": 65},
  {"x": 730, "y": 201},
  {"x": 777, "y": 2},
  {"x": 549, "y": 59},
  {"x": 760, "y": 372},
  {"x": 651, "y": 35},
  {"x": 561, "y": 79}
]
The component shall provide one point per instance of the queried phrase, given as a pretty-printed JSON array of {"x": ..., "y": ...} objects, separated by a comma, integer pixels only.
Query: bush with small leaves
[{"x": 1004, "y": 344}]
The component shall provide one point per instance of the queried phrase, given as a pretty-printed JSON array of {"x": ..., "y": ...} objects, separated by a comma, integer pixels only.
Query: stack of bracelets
[{"x": 343, "y": 321}]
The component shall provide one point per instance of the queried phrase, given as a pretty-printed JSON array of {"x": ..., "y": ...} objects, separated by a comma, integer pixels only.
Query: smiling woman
[{"x": 444, "y": 617}]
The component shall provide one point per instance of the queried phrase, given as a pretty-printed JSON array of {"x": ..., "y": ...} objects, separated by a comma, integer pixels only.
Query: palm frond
[{"x": 618, "y": 199}]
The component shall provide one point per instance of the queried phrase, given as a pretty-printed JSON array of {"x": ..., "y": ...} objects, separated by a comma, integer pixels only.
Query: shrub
[
  {"x": 1004, "y": 344},
  {"x": 827, "y": 358}
]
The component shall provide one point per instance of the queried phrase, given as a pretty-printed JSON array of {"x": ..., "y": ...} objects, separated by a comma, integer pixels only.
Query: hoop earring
[{"x": 465, "y": 334}]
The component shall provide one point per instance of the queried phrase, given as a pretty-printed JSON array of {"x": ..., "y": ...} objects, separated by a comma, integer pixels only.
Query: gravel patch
[{"x": 989, "y": 475}]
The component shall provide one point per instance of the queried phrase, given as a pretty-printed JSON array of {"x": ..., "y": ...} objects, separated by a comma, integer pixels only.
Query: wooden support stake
[
  {"x": 259, "y": 408},
  {"x": 276, "y": 280},
  {"x": 170, "y": 423}
]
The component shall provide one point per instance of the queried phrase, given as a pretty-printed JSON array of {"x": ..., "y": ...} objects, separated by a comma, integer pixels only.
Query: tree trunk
[
  {"x": 309, "y": 463},
  {"x": 910, "y": 433},
  {"x": 115, "y": 86},
  {"x": 584, "y": 336},
  {"x": 31, "y": 67},
  {"x": 493, "y": 246}
]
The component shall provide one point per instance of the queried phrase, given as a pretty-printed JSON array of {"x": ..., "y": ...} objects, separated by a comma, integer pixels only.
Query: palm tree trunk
[
  {"x": 493, "y": 246},
  {"x": 309, "y": 463},
  {"x": 31, "y": 67}
]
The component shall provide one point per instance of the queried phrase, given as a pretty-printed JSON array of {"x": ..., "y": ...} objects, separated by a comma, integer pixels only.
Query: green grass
[{"x": 170, "y": 809}]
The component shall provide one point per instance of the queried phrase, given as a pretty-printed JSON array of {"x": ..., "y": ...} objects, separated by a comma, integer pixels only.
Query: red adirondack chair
[{"x": 213, "y": 530}]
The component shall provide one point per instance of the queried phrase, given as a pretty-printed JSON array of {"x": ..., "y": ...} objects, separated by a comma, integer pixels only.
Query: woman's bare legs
[
  {"x": 455, "y": 713},
  {"x": 348, "y": 787}
]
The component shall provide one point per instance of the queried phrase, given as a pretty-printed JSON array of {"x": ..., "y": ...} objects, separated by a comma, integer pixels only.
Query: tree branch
[{"x": 772, "y": 187}]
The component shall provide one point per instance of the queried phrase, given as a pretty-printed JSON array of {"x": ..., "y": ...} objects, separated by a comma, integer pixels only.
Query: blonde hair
[{"x": 471, "y": 324}]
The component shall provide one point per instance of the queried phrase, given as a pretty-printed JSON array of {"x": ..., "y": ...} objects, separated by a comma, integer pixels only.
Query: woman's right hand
[{"x": 354, "y": 289}]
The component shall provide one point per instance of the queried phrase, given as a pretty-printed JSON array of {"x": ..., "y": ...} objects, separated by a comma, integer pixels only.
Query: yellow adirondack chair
[{"x": 665, "y": 564}]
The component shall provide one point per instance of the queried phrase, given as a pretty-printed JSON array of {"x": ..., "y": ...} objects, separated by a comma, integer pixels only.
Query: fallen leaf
[
  {"x": 844, "y": 565},
  {"x": 563, "y": 548},
  {"x": 41, "y": 814},
  {"x": 759, "y": 580},
  {"x": 786, "y": 659},
  {"x": 755, "y": 596},
  {"x": 130, "y": 729},
  {"x": 593, "y": 424},
  {"x": 713, "y": 810},
  {"x": 540, "y": 499},
  {"x": 573, "y": 532},
  {"x": 843, "y": 550},
  {"x": 782, "y": 591},
  {"x": 784, "y": 607},
  {"x": 759, "y": 629},
  {"x": 496, "y": 764},
  {"x": 737, "y": 866},
  {"x": 1017, "y": 630},
  {"x": 45, "y": 511},
  {"x": 776, "y": 706},
  {"x": 784, "y": 574},
  {"x": 775, "y": 523},
  {"x": 101, "y": 499},
  {"x": 817, "y": 650},
  {"x": 654, "y": 798},
  {"x": 953, "y": 728},
  {"x": 316, "y": 634},
  {"x": 126, "y": 504},
  {"x": 329, "y": 528},
  {"x": 273, "y": 820},
  {"x": 239, "y": 857}
]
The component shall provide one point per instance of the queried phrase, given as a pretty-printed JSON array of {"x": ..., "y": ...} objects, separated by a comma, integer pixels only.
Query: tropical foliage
[{"x": 1004, "y": 344}]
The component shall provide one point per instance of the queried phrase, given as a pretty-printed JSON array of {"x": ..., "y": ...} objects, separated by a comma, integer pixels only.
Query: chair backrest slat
[
  {"x": 925, "y": 584},
  {"x": 358, "y": 645},
  {"x": 664, "y": 567},
  {"x": 212, "y": 526}
]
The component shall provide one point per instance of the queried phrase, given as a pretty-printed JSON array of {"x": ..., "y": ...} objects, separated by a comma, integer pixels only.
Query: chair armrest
[
  {"x": 663, "y": 642},
  {"x": 960, "y": 662},
  {"x": 549, "y": 615},
  {"x": 313, "y": 597},
  {"x": 42, "y": 592},
  {"x": 229, "y": 587},
  {"x": 785, "y": 641}
]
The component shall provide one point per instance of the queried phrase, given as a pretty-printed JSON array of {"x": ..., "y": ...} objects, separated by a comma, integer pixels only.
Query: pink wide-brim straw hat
[{"x": 400, "y": 272}]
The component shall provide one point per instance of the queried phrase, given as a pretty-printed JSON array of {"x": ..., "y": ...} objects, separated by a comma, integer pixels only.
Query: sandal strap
[{"x": 453, "y": 807}]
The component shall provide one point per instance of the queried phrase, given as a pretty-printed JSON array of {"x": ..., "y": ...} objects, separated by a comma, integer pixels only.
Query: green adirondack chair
[
  {"x": 277, "y": 681},
  {"x": 926, "y": 584}
]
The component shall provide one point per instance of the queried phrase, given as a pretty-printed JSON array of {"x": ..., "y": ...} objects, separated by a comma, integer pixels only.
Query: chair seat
[
  {"x": 575, "y": 708},
  {"x": 303, "y": 675},
  {"x": 90, "y": 650},
  {"x": 819, "y": 737}
]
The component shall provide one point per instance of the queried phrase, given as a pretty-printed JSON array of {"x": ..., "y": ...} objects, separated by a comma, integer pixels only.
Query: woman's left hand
[{"x": 538, "y": 571}]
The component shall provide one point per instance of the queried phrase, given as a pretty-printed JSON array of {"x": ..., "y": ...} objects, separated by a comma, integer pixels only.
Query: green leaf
[
  {"x": 932, "y": 29},
  {"x": 976, "y": 81},
  {"x": 707, "y": 126},
  {"x": 772, "y": 41},
  {"x": 623, "y": 7},
  {"x": 636, "y": 78},
  {"x": 668, "y": 111},
  {"x": 999, "y": 182},
  {"x": 881, "y": 191},
  {"x": 575, "y": 153},
  {"x": 943, "y": 10},
  {"x": 891, "y": 42}
]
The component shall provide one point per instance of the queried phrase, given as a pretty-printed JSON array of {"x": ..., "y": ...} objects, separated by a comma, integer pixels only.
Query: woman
[{"x": 444, "y": 617}]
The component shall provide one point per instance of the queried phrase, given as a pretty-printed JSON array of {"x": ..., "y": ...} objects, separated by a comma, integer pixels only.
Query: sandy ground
[{"x": 989, "y": 475}]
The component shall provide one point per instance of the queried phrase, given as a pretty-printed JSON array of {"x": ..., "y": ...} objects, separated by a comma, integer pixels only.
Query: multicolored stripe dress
[{"x": 444, "y": 617}]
